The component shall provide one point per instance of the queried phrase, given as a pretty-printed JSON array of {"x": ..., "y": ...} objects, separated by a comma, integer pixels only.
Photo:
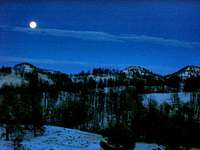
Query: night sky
[{"x": 78, "y": 35}]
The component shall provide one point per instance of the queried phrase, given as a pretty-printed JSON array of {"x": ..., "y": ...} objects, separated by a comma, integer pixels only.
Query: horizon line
[{"x": 114, "y": 67}]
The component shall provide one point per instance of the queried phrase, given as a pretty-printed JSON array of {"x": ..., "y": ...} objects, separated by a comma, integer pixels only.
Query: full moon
[{"x": 33, "y": 25}]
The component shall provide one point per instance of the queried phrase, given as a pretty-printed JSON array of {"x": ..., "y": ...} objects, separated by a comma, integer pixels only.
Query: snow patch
[
  {"x": 59, "y": 138},
  {"x": 146, "y": 146},
  {"x": 11, "y": 79}
]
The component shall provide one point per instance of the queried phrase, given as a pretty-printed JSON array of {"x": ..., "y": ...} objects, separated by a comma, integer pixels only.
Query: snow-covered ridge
[
  {"x": 24, "y": 67},
  {"x": 16, "y": 76},
  {"x": 139, "y": 71},
  {"x": 187, "y": 72}
]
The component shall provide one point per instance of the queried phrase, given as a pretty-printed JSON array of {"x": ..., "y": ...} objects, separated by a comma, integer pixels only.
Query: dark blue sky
[{"x": 79, "y": 35}]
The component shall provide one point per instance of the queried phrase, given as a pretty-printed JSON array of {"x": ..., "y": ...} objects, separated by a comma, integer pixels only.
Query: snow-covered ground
[
  {"x": 167, "y": 97},
  {"x": 58, "y": 138},
  {"x": 146, "y": 146}
]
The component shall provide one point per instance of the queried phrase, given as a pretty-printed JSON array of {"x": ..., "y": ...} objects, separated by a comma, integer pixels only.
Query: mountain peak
[
  {"x": 139, "y": 71},
  {"x": 187, "y": 72},
  {"x": 190, "y": 67},
  {"x": 25, "y": 64},
  {"x": 135, "y": 68},
  {"x": 24, "y": 67}
]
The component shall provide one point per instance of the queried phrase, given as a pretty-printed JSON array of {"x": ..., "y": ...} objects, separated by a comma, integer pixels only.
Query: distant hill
[
  {"x": 15, "y": 75},
  {"x": 138, "y": 71},
  {"x": 187, "y": 72}
]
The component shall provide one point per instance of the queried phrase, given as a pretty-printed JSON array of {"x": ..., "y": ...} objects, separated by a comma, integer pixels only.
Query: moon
[{"x": 33, "y": 24}]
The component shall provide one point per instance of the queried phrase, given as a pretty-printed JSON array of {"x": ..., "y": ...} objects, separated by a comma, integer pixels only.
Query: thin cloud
[
  {"x": 84, "y": 35},
  {"x": 106, "y": 37},
  {"x": 161, "y": 41}
]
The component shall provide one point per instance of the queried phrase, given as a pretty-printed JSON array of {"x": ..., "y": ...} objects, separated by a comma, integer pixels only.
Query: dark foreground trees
[
  {"x": 20, "y": 108},
  {"x": 119, "y": 137},
  {"x": 74, "y": 113},
  {"x": 192, "y": 84},
  {"x": 7, "y": 110},
  {"x": 172, "y": 124},
  {"x": 35, "y": 97}
]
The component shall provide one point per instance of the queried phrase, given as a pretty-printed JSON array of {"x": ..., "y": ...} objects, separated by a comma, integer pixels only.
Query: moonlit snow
[{"x": 58, "y": 138}]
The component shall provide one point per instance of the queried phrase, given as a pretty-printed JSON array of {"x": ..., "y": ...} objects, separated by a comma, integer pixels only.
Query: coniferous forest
[{"x": 110, "y": 102}]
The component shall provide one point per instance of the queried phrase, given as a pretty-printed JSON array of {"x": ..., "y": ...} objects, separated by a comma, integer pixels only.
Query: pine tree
[
  {"x": 7, "y": 117},
  {"x": 35, "y": 94}
]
